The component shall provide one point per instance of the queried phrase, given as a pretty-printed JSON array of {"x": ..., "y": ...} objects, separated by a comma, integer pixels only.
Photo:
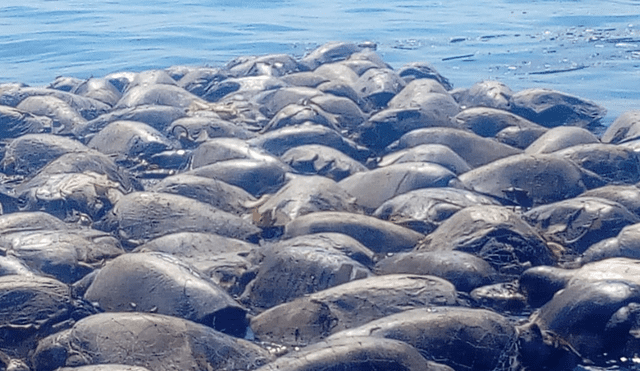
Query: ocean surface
[{"x": 587, "y": 48}]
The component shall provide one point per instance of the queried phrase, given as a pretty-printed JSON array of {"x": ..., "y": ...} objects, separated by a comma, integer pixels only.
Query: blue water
[{"x": 588, "y": 48}]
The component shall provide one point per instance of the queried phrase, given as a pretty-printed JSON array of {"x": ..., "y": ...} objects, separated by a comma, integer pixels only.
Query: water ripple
[{"x": 576, "y": 46}]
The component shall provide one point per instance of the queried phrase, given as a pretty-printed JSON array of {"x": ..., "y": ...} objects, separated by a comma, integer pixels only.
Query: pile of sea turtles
[{"x": 321, "y": 213}]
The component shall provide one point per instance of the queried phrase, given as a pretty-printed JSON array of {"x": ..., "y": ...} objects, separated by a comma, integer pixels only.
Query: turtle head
[{"x": 543, "y": 350}]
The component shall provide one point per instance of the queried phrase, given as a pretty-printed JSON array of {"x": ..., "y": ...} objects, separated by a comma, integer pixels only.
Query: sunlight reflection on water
[{"x": 576, "y": 46}]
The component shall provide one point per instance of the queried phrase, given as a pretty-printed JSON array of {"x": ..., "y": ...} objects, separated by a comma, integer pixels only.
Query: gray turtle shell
[
  {"x": 552, "y": 108},
  {"x": 338, "y": 72},
  {"x": 338, "y": 241},
  {"x": 160, "y": 94},
  {"x": 339, "y": 88},
  {"x": 66, "y": 254},
  {"x": 211, "y": 124},
  {"x": 67, "y": 194},
  {"x": 580, "y": 222},
  {"x": 285, "y": 274},
  {"x": 100, "y": 89},
  {"x": 434, "y": 153},
  {"x": 131, "y": 139},
  {"x": 626, "y": 195},
  {"x": 303, "y": 195},
  {"x": 355, "y": 354},
  {"x": 65, "y": 83},
  {"x": 372, "y": 188},
  {"x": 64, "y": 117},
  {"x": 10, "y": 265},
  {"x": 503, "y": 297},
  {"x": 30, "y": 221},
  {"x": 541, "y": 283},
  {"x": 279, "y": 141},
  {"x": 474, "y": 149},
  {"x": 464, "y": 270},
  {"x": 520, "y": 137},
  {"x": 423, "y": 70},
  {"x": 195, "y": 246},
  {"x": 254, "y": 176},
  {"x": 488, "y": 122},
  {"x": 435, "y": 104},
  {"x": 423, "y": 210},
  {"x": 15, "y": 123},
  {"x": 150, "y": 77},
  {"x": 106, "y": 367},
  {"x": 121, "y": 79},
  {"x": 344, "y": 110},
  {"x": 463, "y": 338},
  {"x": 309, "y": 319},
  {"x": 583, "y": 315},
  {"x": 559, "y": 138},
  {"x": 488, "y": 93},
  {"x": 388, "y": 125},
  {"x": 165, "y": 285},
  {"x": 331, "y": 52},
  {"x": 88, "y": 108},
  {"x": 216, "y": 193},
  {"x": 242, "y": 87},
  {"x": 543, "y": 178},
  {"x": 378, "y": 85},
  {"x": 157, "y": 116},
  {"x": 223, "y": 259},
  {"x": 142, "y": 216},
  {"x": 222, "y": 149},
  {"x": 29, "y": 153},
  {"x": 494, "y": 233},
  {"x": 94, "y": 162},
  {"x": 159, "y": 342},
  {"x": 297, "y": 114},
  {"x": 13, "y": 93},
  {"x": 623, "y": 129},
  {"x": 270, "y": 64},
  {"x": 624, "y": 245},
  {"x": 377, "y": 235},
  {"x": 321, "y": 160},
  {"x": 614, "y": 269},
  {"x": 307, "y": 79},
  {"x": 415, "y": 92},
  {"x": 33, "y": 307},
  {"x": 614, "y": 164},
  {"x": 367, "y": 54},
  {"x": 271, "y": 101}
]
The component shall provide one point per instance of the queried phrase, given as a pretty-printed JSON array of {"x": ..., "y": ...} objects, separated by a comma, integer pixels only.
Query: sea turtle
[{"x": 156, "y": 341}]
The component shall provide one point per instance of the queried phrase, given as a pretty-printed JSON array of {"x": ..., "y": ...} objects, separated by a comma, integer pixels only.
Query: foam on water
[{"x": 587, "y": 48}]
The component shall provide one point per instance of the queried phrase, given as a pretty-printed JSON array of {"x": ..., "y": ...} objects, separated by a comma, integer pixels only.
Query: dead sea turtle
[
  {"x": 313, "y": 317},
  {"x": 462, "y": 338},
  {"x": 159, "y": 342},
  {"x": 355, "y": 354}
]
